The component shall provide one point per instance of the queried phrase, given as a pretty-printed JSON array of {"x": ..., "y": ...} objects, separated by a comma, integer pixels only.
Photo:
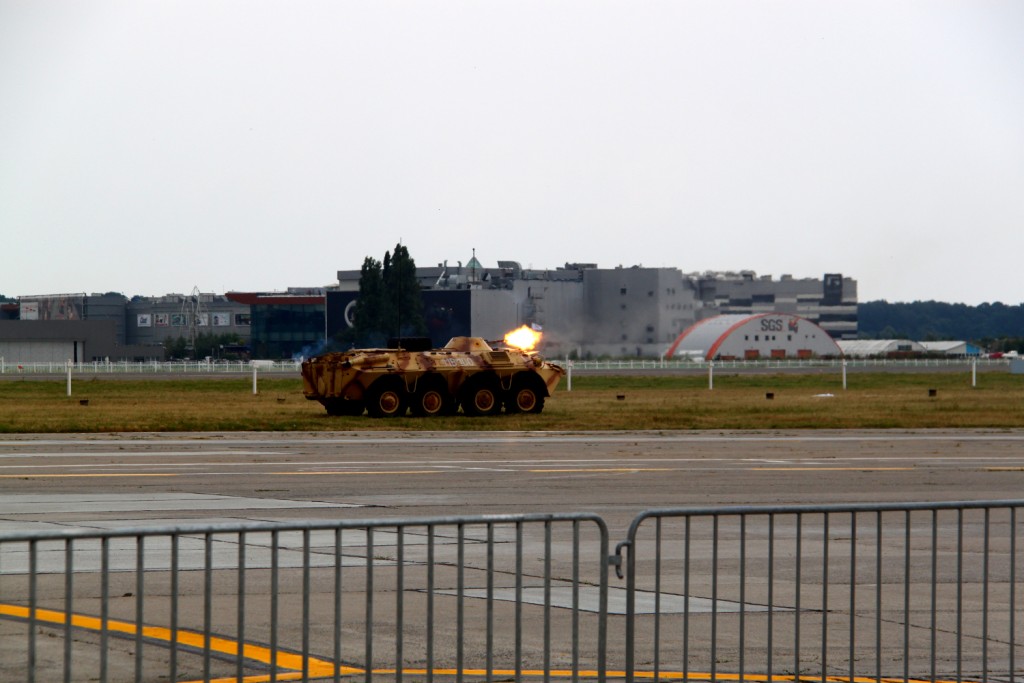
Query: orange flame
[{"x": 523, "y": 338}]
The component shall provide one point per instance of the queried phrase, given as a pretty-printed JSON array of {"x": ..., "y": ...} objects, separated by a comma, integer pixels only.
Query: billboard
[
  {"x": 58, "y": 307},
  {"x": 447, "y": 313}
]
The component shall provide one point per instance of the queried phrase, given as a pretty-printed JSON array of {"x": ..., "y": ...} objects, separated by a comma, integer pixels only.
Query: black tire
[
  {"x": 526, "y": 395},
  {"x": 387, "y": 397},
  {"x": 432, "y": 398},
  {"x": 481, "y": 396},
  {"x": 343, "y": 407}
]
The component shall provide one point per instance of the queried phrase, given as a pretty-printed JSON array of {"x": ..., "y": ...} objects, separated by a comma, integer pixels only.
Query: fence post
[
  {"x": 844, "y": 374},
  {"x": 68, "y": 367},
  {"x": 254, "y": 390},
  {"x": 711, "y": 375},
  {"x": 974, "y": 372}
]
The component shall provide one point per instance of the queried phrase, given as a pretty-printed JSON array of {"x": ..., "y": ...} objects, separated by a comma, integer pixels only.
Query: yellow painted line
[
  {"x": 607, "y": 469},
  {"x": 829, "y": 469},
  {"x": 193, "y": 639},
  {"x": 324, "y": 472},
  {"x": 319, "y": 668},
  {"x": 565, "y": 673},
  {"x": 76, "y": 476},
  {"x": 1004, "y": 469}
]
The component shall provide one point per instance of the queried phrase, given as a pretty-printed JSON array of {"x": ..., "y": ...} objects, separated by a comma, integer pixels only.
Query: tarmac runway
[
  {"x": 133, "y": 480},
  {"x": 164, "y": 478}
]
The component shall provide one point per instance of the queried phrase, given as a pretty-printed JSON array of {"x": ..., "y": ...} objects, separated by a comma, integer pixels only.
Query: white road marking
[
  {"x": 520, "y": 437},
  {"x": 30, "y": 504}
]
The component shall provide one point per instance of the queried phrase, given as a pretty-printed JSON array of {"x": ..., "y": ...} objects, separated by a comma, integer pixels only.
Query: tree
[
  {"x": 996, "y": 326},
  {"x": 403, "y": 303},
  {"x": 390, "y": 303},
  {"x": 369, "y": 306},
  {"x": 207, "y": 344}
]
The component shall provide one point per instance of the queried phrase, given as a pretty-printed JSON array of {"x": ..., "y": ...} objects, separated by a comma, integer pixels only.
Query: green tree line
[
  {"x": 207, "y": 344},
  {"x": 995, "y": 326}
]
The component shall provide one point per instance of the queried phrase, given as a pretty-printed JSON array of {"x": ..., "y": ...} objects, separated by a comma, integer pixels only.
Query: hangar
[
  {"x": 750, "y": 337},
  {"x": 880, "y": 348}
]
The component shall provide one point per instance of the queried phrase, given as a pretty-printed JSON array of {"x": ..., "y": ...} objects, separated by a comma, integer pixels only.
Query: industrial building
[
  {"x": 831, "y": 302},
  {"x": 589, "y": 311},
  {"x": 284, "y": 324},
  {"x": 584, "y": 311},
  {"x": 59, "y": 341},
  {"x": 752, "y": 337},
  {"x": 110, "y": 326},
  {"x": 951, "y": 349}
]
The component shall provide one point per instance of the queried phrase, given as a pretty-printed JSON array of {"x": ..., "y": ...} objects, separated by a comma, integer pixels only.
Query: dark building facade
[{"x": 289, "y": 324}]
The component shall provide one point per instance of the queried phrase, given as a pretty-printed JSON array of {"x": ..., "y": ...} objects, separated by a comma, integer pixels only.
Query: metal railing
[
  {"x": 836, "y": 594},
  {"x": 482, "y": 597},
  {"x": 826, "y": 593}
]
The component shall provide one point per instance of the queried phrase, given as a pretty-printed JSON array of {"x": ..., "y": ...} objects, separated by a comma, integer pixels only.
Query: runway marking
[
  {"x": 318, "y": 473},
  {"x": 516, "y": 437},
  {"x": 295, "y": 666},
  {"x": 710, "y": 464},
  {"x": 829, "y": 469},
  {"x": 83, "y": 476},
  {"x": 184, "y": 637},
  {"x": 607, "y": 469}
]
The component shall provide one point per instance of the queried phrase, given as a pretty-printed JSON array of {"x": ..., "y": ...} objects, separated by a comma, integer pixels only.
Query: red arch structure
[{"x": 711, "y": 334}]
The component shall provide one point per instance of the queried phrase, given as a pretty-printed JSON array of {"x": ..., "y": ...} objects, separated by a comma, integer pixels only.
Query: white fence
[
  {"x": 294, "y": 366},
  {"x": 151, "y": 367},
  {"x": 788, "y": 363}
]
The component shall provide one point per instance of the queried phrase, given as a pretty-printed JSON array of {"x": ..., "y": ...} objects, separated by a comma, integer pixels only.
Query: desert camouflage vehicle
[{"x": 466, "y": 372}]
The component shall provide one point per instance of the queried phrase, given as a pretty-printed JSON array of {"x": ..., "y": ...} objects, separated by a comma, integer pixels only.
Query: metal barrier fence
[
  {"x": 481, "y": 597},
  {"x": 837, "y": 594},
  {"x": 825, "y": 593}
]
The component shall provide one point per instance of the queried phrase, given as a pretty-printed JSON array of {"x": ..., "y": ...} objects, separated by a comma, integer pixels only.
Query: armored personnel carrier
[{"x": 466, "y": 372}]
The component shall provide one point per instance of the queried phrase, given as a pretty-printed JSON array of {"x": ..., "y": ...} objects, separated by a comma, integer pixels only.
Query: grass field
[{"x": 606, "y": 402}]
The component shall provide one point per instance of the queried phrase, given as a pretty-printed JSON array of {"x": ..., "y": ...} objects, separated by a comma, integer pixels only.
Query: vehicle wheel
[
  {"x": 386, "y": 398},
  {"x": 526, "y": 396},
  {"x": 431, "y": 399},
  {"x": 481, "y": 397},
  {"x": 341, "y": 406}
]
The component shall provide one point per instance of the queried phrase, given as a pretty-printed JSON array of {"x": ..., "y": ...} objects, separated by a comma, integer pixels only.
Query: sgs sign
[{"x": 772, "y": 325}]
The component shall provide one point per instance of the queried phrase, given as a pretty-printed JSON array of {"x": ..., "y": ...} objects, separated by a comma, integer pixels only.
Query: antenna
[{"x": 192, "y": 311}]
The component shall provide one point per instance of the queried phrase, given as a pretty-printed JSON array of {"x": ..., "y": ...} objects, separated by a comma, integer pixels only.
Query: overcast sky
[{"x": 149, "y": 147}]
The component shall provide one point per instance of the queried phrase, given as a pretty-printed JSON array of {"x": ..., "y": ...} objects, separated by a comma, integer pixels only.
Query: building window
[{"x": 622, "y": 291}]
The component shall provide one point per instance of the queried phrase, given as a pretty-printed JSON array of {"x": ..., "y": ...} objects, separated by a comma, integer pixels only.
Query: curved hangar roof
[{"x": 762, "y": 335}]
